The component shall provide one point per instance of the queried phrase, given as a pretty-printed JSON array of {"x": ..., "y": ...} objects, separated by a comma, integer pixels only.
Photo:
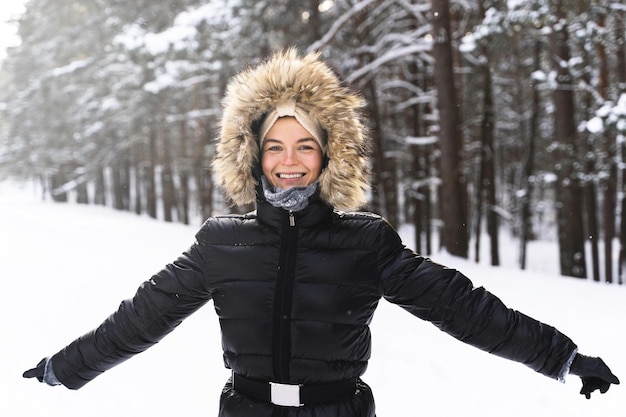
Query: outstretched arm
[
  {"x": 158, "y": 307},
  {"x": 449, "y": 300}
]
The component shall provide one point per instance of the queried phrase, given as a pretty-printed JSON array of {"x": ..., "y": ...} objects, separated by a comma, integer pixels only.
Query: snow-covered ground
[{"x": 65, "y": 267}]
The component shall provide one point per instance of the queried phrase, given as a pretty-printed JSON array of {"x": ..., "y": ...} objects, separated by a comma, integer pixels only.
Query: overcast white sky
[{"x": 8, "y": 36}]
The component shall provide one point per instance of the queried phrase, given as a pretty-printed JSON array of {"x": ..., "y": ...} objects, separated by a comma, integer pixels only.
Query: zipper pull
[{"x": 292, "y": 219}]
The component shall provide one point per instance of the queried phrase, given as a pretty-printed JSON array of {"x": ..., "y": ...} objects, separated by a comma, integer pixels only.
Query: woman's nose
[{"x": 290, "y": 157}]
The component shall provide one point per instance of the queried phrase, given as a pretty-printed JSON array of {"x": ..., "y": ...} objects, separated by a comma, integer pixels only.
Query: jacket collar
[{"x": 315, "y": 213}]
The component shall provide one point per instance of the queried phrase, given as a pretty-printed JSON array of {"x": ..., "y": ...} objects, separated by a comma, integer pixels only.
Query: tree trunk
[
  {"x": 202, "y": 173},
  {"x": 420, "y": 196},
  {"x": 488, "y": 168},
  {"x": 117, "y": 184},
  {"x": 610, "y": 201},
  {"x": 82, "y": 196},
  {"x": 569, "y": 213},
  {"x": 139, "y": 171},
  {"x": 149, "y": 174},
  {"x": 486, "y": 184},
  {"x": 384, "y": 172},
  {"x": 453, "y": 186},
  {"x": 529, "y": 164},
  {"x": 99, "y": 197},
  {"x": 620, "y": 35},
  {"x": 168, "y": 197},
  {"x": 57, "y": 180},
  {"x": 478, "y": 207},
  {"x": 418, "y": 193},
  {"x": 592, "y": 221},
  {"x": 183, "y": 195},
  {"x": 590, "y": 190},
  {"x": 610, "y": 186},
  {"x": 126, "y": 184},
  {"x": 417, "y": 200}
]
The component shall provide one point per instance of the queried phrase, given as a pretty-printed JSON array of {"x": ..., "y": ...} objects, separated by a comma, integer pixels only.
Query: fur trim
[{"x": 254, "y": 92}]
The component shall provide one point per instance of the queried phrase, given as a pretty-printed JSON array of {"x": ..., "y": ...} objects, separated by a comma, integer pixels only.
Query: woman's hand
[{"x": 594, "y": 374}]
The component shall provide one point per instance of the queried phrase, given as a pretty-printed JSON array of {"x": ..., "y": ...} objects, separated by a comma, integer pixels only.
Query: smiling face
[{"x": 290, "y": 156}]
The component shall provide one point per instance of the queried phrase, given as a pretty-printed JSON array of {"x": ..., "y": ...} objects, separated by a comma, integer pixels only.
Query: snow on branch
[
  {"x": 390, "y": 55},
  {"x": 421, "y": 140},
  {"x": 338, "y": 24},
  {"x": 609, "y": 116},
  {"x": 180, "y": 36},
  {"x": 70, "y": 68}
]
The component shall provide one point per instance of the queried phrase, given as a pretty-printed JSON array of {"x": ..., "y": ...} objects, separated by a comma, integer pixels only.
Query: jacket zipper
[{"x": 283, "y": 301}]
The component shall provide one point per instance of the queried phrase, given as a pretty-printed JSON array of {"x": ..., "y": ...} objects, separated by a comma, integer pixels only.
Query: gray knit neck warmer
[{"x": 292, "y": 199}]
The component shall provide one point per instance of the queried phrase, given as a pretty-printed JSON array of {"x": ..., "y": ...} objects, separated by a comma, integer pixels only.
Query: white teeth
[{"x": 290, "y": 176}]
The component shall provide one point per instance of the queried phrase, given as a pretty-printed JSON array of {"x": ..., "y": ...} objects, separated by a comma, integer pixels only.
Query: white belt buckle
[{"x": 285, "y": 395}]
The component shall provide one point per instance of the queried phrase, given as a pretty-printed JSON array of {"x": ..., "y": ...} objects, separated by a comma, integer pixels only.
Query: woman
[{"x": 296, "y": 282}]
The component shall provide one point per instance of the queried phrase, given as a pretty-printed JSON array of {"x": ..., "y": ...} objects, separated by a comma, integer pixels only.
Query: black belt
[{"x": 293, "y": 395}]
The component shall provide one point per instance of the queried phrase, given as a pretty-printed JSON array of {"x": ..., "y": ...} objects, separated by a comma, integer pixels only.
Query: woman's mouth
[{"x": 285, "y": 176}]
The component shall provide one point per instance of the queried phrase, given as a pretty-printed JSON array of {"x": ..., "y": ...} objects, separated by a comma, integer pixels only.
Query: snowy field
[{"x": 66, "y": 267}]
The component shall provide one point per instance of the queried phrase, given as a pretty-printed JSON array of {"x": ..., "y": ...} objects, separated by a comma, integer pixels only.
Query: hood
[{"x": 286, "y": 75}]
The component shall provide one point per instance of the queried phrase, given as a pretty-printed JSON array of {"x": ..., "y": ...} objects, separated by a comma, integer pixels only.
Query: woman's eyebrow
[
  {"x": 305, "y": 139},
  {"x": 272, "y": 140}
]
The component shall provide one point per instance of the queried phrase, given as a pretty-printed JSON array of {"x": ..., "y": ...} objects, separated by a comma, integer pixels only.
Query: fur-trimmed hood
[{"x": 251, "y": 94}]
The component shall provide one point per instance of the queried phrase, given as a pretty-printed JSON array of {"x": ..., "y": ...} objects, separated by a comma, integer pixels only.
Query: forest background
[{"x": 486, "y": 116}]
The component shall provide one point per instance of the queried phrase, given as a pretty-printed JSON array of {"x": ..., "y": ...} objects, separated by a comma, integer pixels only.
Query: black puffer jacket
[{"x": 295, "y": 294}]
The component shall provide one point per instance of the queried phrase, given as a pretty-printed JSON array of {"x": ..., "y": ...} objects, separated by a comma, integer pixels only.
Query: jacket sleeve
[
  {"x": 448, "y": 299},
  {"x": 159, "y": 305}
]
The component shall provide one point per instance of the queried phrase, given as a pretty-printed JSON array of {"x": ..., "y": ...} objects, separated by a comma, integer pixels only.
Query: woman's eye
[{"x": 274, "y": 148}]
